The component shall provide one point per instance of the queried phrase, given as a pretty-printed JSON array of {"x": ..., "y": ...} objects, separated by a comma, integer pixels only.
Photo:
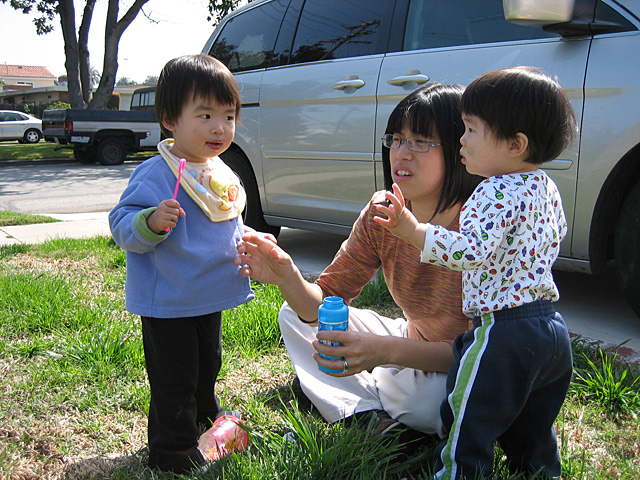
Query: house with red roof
[
  {"x": 18, "y": 77},
  {"x": 22, "y": 85}
]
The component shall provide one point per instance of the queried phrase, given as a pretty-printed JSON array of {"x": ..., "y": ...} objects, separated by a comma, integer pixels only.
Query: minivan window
[
  {"x": 246, "y": 41},
  {"x": 608, "y": 16},
  {"x": 432, "y": 24},
  {"x": 329, "y": 29}
]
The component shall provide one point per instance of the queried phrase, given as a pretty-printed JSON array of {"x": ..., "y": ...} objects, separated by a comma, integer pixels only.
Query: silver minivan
[{"x": 319, "y": 79}]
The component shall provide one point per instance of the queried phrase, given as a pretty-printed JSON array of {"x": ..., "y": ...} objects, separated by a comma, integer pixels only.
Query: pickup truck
[{"x": 103, "y": 136}]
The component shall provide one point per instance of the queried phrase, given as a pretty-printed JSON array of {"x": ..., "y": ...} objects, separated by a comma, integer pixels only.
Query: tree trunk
[
  {"x": 68, "y": 23},
  {"x": 76, "y": 47},
  {"x": 84, "y": 62},
  {"x": 113, "y": 32}
]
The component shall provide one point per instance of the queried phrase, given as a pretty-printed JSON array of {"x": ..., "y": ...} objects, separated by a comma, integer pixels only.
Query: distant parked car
[{"x": 19, "y": 126}]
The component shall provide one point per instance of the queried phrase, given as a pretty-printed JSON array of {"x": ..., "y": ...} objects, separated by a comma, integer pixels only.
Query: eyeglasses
[{"x": 415, "y": 144}]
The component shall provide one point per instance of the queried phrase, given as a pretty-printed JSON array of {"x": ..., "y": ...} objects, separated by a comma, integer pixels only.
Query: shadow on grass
[{"x": 119, "y": 467}]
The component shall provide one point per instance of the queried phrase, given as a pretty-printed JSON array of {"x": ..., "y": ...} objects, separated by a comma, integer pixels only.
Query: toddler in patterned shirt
[{"x": 512, "y": 370}]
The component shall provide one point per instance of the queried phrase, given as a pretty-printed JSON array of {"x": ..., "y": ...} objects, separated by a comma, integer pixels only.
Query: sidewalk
[
  {"x": 78, "y": 225},
  {"x": 311, "y": 258}
]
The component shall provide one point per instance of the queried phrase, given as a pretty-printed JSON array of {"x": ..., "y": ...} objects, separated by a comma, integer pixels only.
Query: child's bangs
[{"x": 218, "y": 87}]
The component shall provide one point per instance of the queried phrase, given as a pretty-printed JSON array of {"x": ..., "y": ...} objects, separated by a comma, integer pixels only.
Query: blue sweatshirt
[{"x": 186, "y": 272}]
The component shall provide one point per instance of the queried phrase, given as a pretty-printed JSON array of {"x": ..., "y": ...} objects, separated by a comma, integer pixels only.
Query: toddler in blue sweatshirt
[{"x": 180, "y": 253}]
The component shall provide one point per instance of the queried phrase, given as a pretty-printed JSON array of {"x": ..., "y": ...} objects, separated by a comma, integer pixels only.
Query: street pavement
[{"x": 593, "y": 307}]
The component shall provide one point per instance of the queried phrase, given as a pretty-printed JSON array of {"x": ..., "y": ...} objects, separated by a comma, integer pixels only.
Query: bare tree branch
[{"x": 76, "y": 47}]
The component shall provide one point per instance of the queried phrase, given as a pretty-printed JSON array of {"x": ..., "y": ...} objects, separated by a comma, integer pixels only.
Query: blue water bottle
[{"x": 333, "y": 314}]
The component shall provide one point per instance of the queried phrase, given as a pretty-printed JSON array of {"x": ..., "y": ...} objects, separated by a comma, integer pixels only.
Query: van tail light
[{"x": 68, "y": 126}]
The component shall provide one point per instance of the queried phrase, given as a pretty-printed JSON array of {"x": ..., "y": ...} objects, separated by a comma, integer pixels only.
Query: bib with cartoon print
[{"x": 212, "y": 185}]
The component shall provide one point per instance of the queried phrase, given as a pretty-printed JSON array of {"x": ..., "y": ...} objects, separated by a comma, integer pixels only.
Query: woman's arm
[
  {"x": 365, "y": 351},
  {"x": 262, "y": 259}
]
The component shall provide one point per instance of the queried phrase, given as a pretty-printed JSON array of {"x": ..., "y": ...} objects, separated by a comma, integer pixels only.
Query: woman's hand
[
  {"x": 365, "y": 351},
  {"x": 267, "y": 236},
  {"x": 260, "y": 258},
  {"x": 361, "y": 351}
]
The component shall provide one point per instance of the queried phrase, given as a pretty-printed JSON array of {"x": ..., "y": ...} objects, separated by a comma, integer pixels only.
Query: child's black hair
[
  {"x": 198, "y": 76},
  {"x": 526, "y": 100}
]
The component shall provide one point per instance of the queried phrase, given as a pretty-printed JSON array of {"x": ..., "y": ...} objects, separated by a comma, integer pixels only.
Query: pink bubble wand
[{"x": 183, "y": 162}]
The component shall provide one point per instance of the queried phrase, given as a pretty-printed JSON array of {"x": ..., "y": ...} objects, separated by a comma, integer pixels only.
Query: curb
[
  {"x": 628, "y": 355},
  {"x": 39, "y": 161},
  {"x": 59, "y": 161}
]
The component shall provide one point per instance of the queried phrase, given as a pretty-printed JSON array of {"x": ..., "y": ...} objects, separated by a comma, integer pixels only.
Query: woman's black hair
[{"x": 433, "y": 111}]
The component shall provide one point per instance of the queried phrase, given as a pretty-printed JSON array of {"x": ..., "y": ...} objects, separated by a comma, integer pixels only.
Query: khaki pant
[{"x": 410, "y": 396}]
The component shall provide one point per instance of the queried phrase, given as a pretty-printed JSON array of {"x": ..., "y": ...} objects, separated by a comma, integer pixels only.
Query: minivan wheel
[
  {"x": 252, "y": 214},
  {"x": 627, "y": 249},
  {"x": 111, "y": 151}
]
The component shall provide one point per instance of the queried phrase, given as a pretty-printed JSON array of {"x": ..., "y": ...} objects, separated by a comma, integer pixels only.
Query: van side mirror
[{"x": 538, "y": 12}]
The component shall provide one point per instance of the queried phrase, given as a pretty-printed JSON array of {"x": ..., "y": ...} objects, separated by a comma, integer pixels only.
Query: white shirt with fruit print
[{"x": 510, "y": 233}]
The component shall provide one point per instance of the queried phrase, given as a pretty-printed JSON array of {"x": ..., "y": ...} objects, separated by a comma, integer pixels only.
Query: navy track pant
[{"x": 508, "y": 383}]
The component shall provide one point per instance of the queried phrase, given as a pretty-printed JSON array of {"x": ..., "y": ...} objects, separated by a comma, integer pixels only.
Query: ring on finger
[{"x": 345, "y": 364}]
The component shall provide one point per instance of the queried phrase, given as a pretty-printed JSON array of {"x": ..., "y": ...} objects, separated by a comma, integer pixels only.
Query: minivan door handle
[
  {"x": 352, "y": 81},
  {"x": 411, "y": 76}
]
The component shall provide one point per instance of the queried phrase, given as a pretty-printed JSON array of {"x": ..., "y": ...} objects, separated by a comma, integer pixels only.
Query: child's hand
[
  {"x": 400, "y": 221},
  {"x": 166, "y": 216}
]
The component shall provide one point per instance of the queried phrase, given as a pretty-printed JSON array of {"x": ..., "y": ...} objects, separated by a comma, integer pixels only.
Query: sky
[{"x": 181, "y": 28}]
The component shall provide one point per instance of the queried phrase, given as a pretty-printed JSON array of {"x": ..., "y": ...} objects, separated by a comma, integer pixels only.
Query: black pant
[{"x": 183, "y": 358}]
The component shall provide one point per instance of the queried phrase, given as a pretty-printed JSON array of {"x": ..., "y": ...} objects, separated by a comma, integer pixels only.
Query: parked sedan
[{"x": 19, "y": 126}]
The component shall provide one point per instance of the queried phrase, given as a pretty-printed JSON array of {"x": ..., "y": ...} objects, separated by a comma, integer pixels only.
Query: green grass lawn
[
  {"x": 40, "y": 150},
  {"x": 45, "y": 150},
  {"x": 74, "y": 394},
  {"x": 9, "y": 218}
]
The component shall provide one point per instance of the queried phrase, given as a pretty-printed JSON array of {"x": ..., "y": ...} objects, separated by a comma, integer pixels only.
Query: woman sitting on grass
[{"x": 395, "y": 367}]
